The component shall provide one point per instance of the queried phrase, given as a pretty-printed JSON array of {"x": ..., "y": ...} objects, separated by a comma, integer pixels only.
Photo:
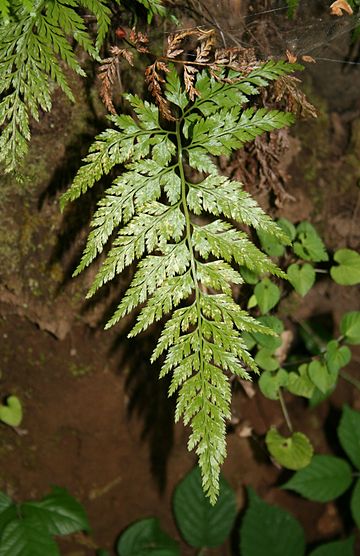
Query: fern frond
[
  {"x": 33, "y": 42},
  {"x": 5, "y": 9},
  {"x": 220, "y": 239},
  {"x": 152, "y": 272},
  {"x": 219, "y": 195},
  {"x": 102, "y": 12},
  {"x": 147, "y": 231},
  {"x": 175, "y": 225},
  {"x": 215, "y": 94},
  {"x": 225, "y": 131},
  {"x": 153, "y": 7},
  {"x": 112, "y": 147}
]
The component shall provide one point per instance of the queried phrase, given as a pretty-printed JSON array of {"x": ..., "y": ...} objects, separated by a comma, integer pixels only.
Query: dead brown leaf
[
  {"x": 308, "y": 59},
  {"x": 140, "y": 41},
  {"x": 291, "y": 57},
  {"x": 109, "y": 72},
  {"x": 154, "y": 76},
  {"x": 340, "y": 6}
]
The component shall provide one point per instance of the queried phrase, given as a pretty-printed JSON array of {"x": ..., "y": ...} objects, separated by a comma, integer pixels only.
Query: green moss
[
  {"x": 78, "y": 370},
  {"x": 314, "y": 136}
]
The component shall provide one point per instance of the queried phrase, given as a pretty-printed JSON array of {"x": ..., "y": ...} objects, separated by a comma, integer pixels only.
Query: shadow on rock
[{"x": 148, "y": 401}]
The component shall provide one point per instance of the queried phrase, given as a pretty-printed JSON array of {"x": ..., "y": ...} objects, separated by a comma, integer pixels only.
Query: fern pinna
[{"x": 184, "y": 223}]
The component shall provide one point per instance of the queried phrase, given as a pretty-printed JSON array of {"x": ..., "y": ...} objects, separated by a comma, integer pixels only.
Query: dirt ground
[{"x": 97, "y": 421}]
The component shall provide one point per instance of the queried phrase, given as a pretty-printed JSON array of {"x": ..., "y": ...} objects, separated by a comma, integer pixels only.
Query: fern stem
[
  {"x": 285, "y": 411},
  {"x": 189, "y": 243}
]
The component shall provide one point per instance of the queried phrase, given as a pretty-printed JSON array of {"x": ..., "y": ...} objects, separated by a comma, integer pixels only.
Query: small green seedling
[{"x": 11, "y": 412}]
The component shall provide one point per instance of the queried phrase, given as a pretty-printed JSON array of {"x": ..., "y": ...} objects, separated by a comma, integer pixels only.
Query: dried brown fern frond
[
  {"x": 140, "y": 41},
  {"x": 286, "y": 88},
  {"x": 176, "y": 41},
  {"x": 154, "y": 76},
  {"x": 195, "y": 49},
  {"x": 189, "y": 80},
  {"x": 236, "y": 58},
  {"x": 109, "y": 72}
]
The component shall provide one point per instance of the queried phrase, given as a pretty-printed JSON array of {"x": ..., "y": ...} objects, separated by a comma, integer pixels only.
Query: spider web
[{"x": 265, "y": 25}]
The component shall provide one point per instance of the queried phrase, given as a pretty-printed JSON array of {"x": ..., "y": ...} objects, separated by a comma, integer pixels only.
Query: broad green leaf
[
  {"x": 320, "y": 376},
  {"x": 270, "y": 382},
  {"x": 350, "y": 327},
  {"x": 249, "y": 276},
  {"x": 200, "y": 523},
  {"x": 337, "y": 548},
  {"x": 302, "y": 278},
  {"x": 336, "y": 356},
  {"x": 269, "y": 530},
  {"x": 252, "y": 302},
  {"x": 146, "y": 538},
  {"x": 355, "y": 503},
  {"x": 299, "y": 382},
  {"x": 270, "y": 245},
  {"x": 287, "y": 227},
  {"x": 11, "y": 413},
  {"x": 312, "y": 340},
  {"x": 324, "y": 479},
  {"x": 308, "y": 245},
  {"x": 347, "y": 273},
  {"x": 349, "y": 434},
  {"x": 59, "y": 513},
  {"x": 265, "y": 340},
  {"x": 26, "y": 537},
  {"x": 249, "y": 340},
  {"x": 8, "y": 511},
  {"x": 318, "y": 397},
  {"x": 5, "y": 502},
  {"x": 266, "y": 360},
  {"x": 267, "y": 295},
  {"x": 293, "y": 452}
]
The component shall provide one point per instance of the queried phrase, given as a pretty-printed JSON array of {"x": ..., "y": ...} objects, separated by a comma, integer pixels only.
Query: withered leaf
[
  {"x": 340, "y": 6},
  {"x": 108, "y": 72},
  {"x": 140, "y": 41},
  {"x": 291, "y": 57},
  {"x": 308, "y": 59},
  {"x": 154, "y": 80}
]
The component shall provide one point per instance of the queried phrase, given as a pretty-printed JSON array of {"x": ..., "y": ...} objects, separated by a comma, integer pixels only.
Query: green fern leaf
[
  {"x": 188, "y": 254},
  {"x": 34, "y": 40},
  {"x": 153, "y": 7},
  {"x": 5, "y": 9}
]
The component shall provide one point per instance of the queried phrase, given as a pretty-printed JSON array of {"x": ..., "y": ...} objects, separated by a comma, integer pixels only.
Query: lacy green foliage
[
  {"x": 35, "y": 43},
  {"x": 153, "y": 7},
  {"x": 184, "y": 259}
]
